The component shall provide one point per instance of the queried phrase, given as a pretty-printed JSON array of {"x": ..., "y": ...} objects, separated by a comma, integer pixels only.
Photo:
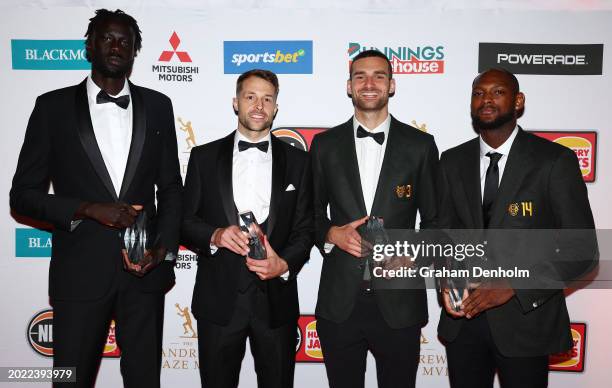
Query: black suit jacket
[
  {"x": 535, "y": 321},
  {"x": 209, "y": 204},
  {"x": 60, "y": 147},
  {"x": 411, "y": 158}
]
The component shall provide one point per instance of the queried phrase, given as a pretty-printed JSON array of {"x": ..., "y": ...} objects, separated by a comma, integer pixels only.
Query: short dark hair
[
  {"x": 369, "y": 54},
  {"x": 259, "y": 73},
  {"x": 511, "y": 77},
  {"x": 103, "y": 15}
]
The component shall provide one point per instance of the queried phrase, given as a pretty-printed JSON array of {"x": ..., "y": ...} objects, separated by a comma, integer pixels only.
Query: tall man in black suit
[
  {"x": 235, "y": 296},
  {"x": 105, "y": 145},
  {"x": 370, "y": 165},
  {"x": 511, "y": 330}
]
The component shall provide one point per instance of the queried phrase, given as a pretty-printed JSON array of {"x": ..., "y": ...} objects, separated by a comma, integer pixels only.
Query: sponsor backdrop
[{"x": 194, "y": 53}]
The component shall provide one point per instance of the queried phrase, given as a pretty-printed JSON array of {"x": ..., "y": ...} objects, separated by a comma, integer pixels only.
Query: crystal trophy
[
  {"x": 138, "y": 238},
  {"x": 257, "y": 249}
]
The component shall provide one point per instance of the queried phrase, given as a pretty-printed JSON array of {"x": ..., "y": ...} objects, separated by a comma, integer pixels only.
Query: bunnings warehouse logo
[
  {"x": 32, "y": 243},
  {"x": 31, "y": 54}
]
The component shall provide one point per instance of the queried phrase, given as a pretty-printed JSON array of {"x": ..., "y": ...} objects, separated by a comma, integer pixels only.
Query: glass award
[
  {"x": 257, "y": 249},
  {"x": 139, "y": 238},
  {"x": 456, "y": 288}
]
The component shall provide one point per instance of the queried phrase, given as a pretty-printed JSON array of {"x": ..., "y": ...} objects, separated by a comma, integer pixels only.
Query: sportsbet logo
[
  {"x": 279, "y": 57},
  {"x": 584, "y": 144},
  {"x": 282, "y": 57}
]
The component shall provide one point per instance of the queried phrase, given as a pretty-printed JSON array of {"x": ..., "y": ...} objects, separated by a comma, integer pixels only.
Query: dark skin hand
[
  {"x": 487, "y": 296},
  {"x": 114, "y": 214},
  {"x": 151, "y": 260}
]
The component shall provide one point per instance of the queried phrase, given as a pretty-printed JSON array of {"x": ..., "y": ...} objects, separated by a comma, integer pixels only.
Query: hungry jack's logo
[
  {"x": 583, "y": 143},
  {"x": 573, "y": 359}
]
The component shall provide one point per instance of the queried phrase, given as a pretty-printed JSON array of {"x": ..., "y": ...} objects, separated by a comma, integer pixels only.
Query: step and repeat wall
[{"x": 194, "y": 53}]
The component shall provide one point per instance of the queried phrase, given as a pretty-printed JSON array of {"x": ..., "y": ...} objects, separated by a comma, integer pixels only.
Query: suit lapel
[
  {"x": 470, "y": 176},
  {"x": 517, "y": 167},
  {"x": 139, "y": 129},
  {"x": 392, "y": 151},
  {"x": 347, "y": 155},
  {"x": 279, "y": 166},
  {"x": 88, "y": 139},
  {"x": 224, "y": 178}
]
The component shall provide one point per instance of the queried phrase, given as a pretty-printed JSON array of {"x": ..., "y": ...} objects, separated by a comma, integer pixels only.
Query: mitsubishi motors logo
[
  {"x": 182, "y": 71},
  {"x": 166, "y": 56}
]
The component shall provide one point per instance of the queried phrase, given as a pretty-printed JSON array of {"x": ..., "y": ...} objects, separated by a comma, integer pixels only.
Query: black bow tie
[
  {"x": 121, "y": 101},
  {"x": 378, "y": 137},
  {"x": 245, "y": 145}
]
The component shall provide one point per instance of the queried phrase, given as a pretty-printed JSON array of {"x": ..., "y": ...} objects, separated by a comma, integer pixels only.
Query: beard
[
  {"x": 370, "y": 105},
  {"x": 246, "y": 123},
  {"x": 502, "y": 119},
  {"x": 99, "y": 64}
]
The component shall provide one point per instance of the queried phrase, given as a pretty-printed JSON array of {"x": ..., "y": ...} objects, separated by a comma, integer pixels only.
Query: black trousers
[
  {"x": 80, "y": 329},
  {"x": 473, "y": 359},
  {"x": 221, "y": 348},
  {"x": 345, "y": 347}
]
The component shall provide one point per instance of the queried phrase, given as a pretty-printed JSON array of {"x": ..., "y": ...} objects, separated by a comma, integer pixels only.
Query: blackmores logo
[
  {"x": 557, "y": 59},
  {"x": 573, "y": 359},
  {"x": 584, "y": 144},
  {"x": 178, "y": 72},
  {"x": 407, "y": 60},
  {"x": 31, "y": 242},
  {"x": 300, "y": 137},
  {"x": 38, "y": 54}
]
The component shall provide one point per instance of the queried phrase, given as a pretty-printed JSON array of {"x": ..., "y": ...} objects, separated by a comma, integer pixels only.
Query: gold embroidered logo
[
  {"x": 513, "y": 209},
  {"x": 403, "y": 191},
  {"x": 527, "y": 207}
]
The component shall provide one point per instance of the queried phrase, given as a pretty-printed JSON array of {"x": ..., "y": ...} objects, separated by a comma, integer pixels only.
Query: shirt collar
[
  {"x": 383, "y": 127},
  {"x": 93, "y": 90},
  {"x": 503, "y": 149},
  {"x": 239, "y": 136}
]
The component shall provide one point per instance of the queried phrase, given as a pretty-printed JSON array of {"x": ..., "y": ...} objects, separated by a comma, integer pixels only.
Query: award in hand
[
  {"x": 257, "y": 249},
  {"x": 139, "y": 237}
]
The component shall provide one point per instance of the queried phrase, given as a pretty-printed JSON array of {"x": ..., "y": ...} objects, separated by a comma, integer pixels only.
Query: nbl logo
[
  {"x": 299, "y": 137},
  {"x": 40, "y": 333},
  {"x": 40, "y": 336}
]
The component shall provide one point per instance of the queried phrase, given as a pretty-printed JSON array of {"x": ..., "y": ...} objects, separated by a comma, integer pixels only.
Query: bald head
[{"x": 500, "y": 74}]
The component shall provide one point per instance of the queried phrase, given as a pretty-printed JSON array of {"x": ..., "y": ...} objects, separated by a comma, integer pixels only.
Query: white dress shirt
[
  {"x": 370, "y": 156},
  {"x": 503, "y": 149},
  {"x": 252, "y": 178},
  {"x": 112, "y": 126}
]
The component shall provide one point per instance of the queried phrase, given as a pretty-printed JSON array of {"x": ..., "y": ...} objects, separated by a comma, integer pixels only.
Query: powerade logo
[
  {"x": 29, "y": 54},
  {"x": 32, "y": 243},
  {"x": 557, "y": 59},
  {"x": 407, "y": 60},
  {"x": 279, "y": 56}
]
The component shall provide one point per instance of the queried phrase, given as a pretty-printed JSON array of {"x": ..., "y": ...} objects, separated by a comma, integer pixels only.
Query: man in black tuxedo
[
  {"x": 370, "y": 165},
  {"x": 503, "y": 326},
  {"x": 104, "y": 144},
  {"x": 236, "y": 296}
]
